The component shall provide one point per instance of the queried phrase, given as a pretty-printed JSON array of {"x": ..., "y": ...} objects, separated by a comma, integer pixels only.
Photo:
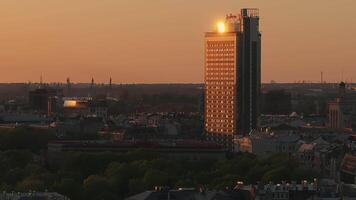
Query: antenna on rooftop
[
  {"x": 110, "y": 85},
  {"x": 91, "y": 86},
  {"x": 41, "y": 81}
]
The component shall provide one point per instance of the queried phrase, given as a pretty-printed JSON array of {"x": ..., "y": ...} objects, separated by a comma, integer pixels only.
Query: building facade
[
  {"x": 342, "y": 111},
  {"x": 233, "y": 77}
]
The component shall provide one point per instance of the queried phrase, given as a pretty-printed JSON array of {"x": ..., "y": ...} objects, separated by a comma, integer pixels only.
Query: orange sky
[{"x": 155, "y": 41}]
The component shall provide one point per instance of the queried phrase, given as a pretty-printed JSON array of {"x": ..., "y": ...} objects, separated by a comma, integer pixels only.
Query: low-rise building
[
  {"x": 286, "y": 191},
  {"x": 266, "y": 143},
  {"x": 85, "y": 106},
  {"x": 348, "y": 169},
  {"x": 192, "y": 193},
  {"x": 305, "y": 155},
  {"x": 31, "y": 195}
]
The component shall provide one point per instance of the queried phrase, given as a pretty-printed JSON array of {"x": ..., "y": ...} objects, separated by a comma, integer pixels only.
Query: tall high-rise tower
[{"x": 233, "y": 77}]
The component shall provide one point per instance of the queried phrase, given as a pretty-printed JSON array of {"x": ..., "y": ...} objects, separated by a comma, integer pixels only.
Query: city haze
[{"x": 162, "y": 41}]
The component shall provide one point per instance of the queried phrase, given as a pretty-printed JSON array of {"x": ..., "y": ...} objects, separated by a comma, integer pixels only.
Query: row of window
[
  {"x": 216, "y": 130},
  {"x": 220, "y": 99},
  {"x": 219, "y": 79},
  {"x": 218, "y": 82},
  {"x": 218, "y": 55},
  {"x": 221, "y": 73},
  {"x": 231, "y": 122},
  {"x": 217, "y": 114},
  {"x": 221, "y": 59},
  {"x": 219, "y": 87},
  {"x": 228, "y": 47},
  {"x": 218, "y": 92},
  {"x": 220, "y": 44},
  {"x": 218, "y": 52},
  {"x": 232, "y": 62},
  {"x": 228, "y": 73},
  {"x": 225, "y": 107},
  {"x": 221, "y": 115},
  {"x": 219, "y": 126},
  {"x": 220, "y": 66}
]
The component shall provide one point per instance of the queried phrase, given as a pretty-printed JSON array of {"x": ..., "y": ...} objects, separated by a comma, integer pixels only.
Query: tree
[
  {"x": 14, "y": 175},
  {"x": 96, "y": 188},
  {"x": 17, "y": 158},
  {"x": 31, "y": 183},
  {"x": 25, "y": 138},
  {"x": 119, "y": 175},
  {"x": 135, "y": 186},
  {"x": 70, "y": 188},
  {"x": 155, "y": 177},
  {"x": 277, "y": 174}
]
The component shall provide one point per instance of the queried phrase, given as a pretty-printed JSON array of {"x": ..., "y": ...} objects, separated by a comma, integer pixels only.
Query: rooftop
[{"x": 348, "y": 164}]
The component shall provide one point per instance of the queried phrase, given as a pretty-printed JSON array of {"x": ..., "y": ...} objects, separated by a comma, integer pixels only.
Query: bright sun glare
[{"x": 221, "y": 27}]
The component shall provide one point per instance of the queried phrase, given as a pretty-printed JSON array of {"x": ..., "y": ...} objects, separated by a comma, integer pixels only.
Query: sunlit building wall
[{"x": 232, "y": 77}]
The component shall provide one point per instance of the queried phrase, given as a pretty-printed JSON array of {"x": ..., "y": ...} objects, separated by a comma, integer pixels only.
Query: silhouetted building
[
  {"x": 44, "y": 100},
  {"x": 233, "y": 77},
  {"x": 98, "y": 108}
]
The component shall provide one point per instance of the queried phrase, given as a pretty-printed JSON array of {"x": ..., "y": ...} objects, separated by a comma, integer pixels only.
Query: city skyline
[{"x": 104, "y": 39}]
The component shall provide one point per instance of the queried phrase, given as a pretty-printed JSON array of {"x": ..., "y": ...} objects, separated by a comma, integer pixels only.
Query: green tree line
[{"x": 110, "y": 175}]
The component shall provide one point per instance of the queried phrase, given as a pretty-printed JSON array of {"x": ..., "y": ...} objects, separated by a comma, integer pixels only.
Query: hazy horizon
[{"x": 133, "y": 41}]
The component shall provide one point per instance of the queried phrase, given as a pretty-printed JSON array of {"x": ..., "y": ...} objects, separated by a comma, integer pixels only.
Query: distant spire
[{"x": 68, "y": 85}]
